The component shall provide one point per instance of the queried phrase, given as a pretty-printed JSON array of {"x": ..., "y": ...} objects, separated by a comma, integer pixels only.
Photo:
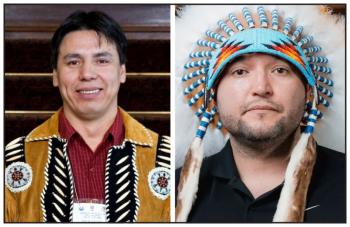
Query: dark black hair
[{"x": 94, "y": 20}]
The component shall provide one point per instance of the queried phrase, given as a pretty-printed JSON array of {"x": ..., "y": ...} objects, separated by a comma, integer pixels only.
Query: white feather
[
  {"x": 189, "y": 190},
  {"x": 285, "y": 201}
]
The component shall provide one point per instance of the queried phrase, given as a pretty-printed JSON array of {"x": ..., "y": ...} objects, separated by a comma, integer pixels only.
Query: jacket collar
[{"x": 135, "y": 132}]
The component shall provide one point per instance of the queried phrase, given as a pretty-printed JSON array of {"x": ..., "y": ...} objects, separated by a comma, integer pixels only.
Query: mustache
[{"x": 257, "y": 104}]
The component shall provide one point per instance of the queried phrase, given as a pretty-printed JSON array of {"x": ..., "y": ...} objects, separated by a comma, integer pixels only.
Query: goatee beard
[{"x": 255, "y": 138}]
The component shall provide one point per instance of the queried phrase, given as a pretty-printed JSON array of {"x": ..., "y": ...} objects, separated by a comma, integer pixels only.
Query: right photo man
[{"x": 260, "y": 114}]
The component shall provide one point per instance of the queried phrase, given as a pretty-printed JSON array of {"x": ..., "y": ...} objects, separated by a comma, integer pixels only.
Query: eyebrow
[
  {"x": 68, "y": 56},
  {"x": 97, "y": 55},
  {"x": 103, "y": 54}
]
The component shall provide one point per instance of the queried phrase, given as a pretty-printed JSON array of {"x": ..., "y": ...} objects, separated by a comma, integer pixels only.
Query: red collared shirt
[{"x": 89, "y": 167}]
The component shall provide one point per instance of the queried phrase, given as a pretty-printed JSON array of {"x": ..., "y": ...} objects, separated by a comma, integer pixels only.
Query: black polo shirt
[{"x": 223, "y": 197}]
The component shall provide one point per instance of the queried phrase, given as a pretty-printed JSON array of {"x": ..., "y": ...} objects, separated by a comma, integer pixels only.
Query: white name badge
[{"x": 89, "y": 212}]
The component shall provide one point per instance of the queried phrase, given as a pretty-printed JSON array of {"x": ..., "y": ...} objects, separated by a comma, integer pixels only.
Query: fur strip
[
  {"x": 292, "y": 202},
  {"x": 188, "y": 186}
]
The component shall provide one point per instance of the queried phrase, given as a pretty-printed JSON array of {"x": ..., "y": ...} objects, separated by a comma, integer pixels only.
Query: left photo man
[{"x": 91, "y": 161}]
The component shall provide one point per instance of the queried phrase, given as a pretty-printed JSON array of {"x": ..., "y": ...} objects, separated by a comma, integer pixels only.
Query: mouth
[
  {"x": 261, "y": 108},
  {"x": 88, "y": 91}
]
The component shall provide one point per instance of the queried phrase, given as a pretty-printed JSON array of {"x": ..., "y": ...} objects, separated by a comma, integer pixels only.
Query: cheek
[
  {"x": 293, "y": 95},
  {"x": 110, "y": 75},
  {"x": 230, "y": 94},
  {"x": 66, "y": 79},
  {"x": 112, "y": 81}
]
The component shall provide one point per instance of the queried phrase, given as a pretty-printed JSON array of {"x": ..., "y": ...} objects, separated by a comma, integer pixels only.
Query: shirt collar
[
  {"x": 135, "y": 132},
  {"x": 65, "y": 129},
  {"x": 116, "y": 131}
]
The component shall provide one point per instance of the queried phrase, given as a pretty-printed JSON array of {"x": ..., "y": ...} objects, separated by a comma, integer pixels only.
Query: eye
[
  {"x": 73, "y": 63},
  {"x": 103, "y": 61},
  {"x": 239, "y": 72},
  {"x": 281, "y": 70}
]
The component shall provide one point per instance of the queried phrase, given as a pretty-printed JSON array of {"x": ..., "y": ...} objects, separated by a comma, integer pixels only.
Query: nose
[
  {"x": 87, "y": 72},
  {"x": 262, "y": 84}
]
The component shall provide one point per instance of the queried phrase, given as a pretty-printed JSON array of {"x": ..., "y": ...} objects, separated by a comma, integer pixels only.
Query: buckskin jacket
[{"x": 39, "y": 182}]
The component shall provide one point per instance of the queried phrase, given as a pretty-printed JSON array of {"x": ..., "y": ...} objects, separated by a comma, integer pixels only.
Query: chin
[
  {"x": 264, "y": 130},
  {"x": 261, "y": 124},
  {"x": 259, "y": 129},
  {"x": 89, "y": 112}
]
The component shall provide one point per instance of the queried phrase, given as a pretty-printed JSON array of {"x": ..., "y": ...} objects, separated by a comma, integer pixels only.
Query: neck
[
  {"x": 278, "y": 148},
  {"x": 92, "y": 130},
  {"x": 262, "y": 168}
]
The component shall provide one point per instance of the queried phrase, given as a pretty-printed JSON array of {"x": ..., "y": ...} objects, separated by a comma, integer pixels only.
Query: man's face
[
  {"x": 88, "y": 74},
  {"x": 260, "y": 98}
]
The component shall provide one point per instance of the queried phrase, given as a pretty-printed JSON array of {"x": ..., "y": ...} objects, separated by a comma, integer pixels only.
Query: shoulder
[
  {"x": 330, "y": 168},
  {"x": 331, "y": 161},
  {"x": 15, "y": 150},
  {"x": 139, "y": 134},
  {"x": 206, "y": 168},
  {"x": 328, "y": 187}
]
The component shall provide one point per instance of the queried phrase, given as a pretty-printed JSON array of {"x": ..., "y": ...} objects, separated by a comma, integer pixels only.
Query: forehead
[{"x": 85, "y": 40}]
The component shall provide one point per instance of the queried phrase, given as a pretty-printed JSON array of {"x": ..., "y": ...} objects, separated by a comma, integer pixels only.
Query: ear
[
  {"x": 122, "y": 73},
  {"x": 54, "y": 78},
  {"x": 308, "y": 92}
]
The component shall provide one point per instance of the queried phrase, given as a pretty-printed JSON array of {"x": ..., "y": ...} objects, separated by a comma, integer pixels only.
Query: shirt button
[{"x": 92, "y": 169}]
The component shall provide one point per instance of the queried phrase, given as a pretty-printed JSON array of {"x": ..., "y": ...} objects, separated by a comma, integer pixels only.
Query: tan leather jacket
[{"x": 128, "y": 185}]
